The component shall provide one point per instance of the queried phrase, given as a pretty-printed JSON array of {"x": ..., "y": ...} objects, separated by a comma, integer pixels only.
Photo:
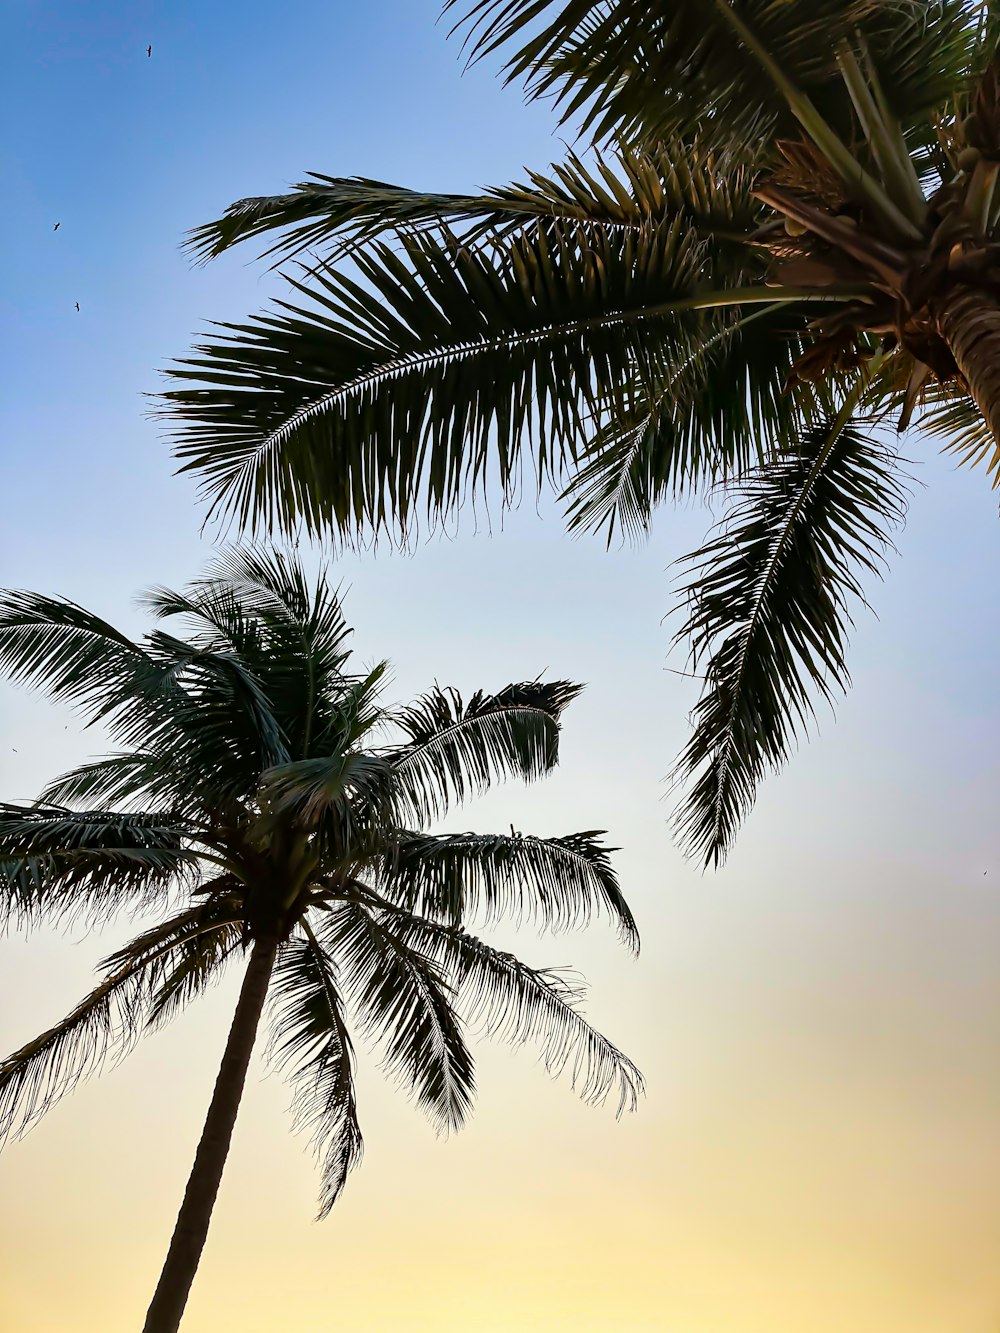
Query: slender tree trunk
[
  {"x": 188, "y": 1240},
  {"x": 969, "y": 321}
]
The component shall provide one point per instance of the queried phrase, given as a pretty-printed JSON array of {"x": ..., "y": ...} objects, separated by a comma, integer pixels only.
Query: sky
[{"x": 819, "y": 1023}]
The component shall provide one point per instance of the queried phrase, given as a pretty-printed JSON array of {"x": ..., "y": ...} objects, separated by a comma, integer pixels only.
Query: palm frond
[
  {"x": 322, "y": 209},
  {"x": 512, "y": 1002},
  {"x": 719, "y": 392},
  {"x": 298, "y": 644},
  {"x": 74, "y": 655},
  {"x": 457, "y": 749},
  {"x": 629, "y": 189},
  {"x": 104, "y": 1026},
  {"x": 198, "y": 959},
  {"x": 209, "y": 711},
  {"x": 311, "y": 1043},
  {"x": 59, "y": 862},
  {"x": 951, "y": 416},
  {"x": 642, "y": 71},
  {"x": 349, "y": 789},
  {"x": 559, "y": 883},
  {"x": 768, "y": 615},
  {"x": 421, "y": 387},
  {"x": 117, "y": 779},
  {"x": 403, "y": 1003},
  {"x": 273, "y": 585}
]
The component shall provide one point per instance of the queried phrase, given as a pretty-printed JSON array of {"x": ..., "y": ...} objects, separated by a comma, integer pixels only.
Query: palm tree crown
[
  {"x": 265, "y": 797},
  {"x": 788, "y": 232}
]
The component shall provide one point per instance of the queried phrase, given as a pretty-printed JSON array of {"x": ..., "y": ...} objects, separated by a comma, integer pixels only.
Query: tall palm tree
[
  {"x": 787, "y": 234},
  {"x": 269, "y": 804}
]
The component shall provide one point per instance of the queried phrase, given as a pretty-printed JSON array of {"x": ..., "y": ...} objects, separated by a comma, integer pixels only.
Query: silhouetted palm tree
[
  {"x": 790, "y": 232},
  {"x": 268, "y": 802}
]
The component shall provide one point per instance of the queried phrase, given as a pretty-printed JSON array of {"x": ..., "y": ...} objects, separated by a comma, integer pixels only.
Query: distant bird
[
  {"x": 149, "y": 52},
  {"x": 77, "y": 307},
  {"x": 57, "y": 226}
]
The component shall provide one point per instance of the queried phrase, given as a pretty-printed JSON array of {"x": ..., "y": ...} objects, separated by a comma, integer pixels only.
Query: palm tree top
[
  {"x": 781, "y": 242},
  {"x": 261, "y": 789}
]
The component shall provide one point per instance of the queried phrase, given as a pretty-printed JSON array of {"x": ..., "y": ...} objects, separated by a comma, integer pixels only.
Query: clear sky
[{"x": 819, "y": 1149}]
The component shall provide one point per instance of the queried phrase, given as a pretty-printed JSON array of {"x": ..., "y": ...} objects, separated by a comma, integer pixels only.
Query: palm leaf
[
  {"x": 720, "y": 392},
  {"x": 515, "y": 1003},
  {"x": 630, "y": 189},
  {"x": 209, "y": 710},
  {"x": 556, "y": 882},
  {"x": 643, "y": 71},
  {"x": 105, "y": 1025},
  {"x": 768, "y": 601},
  {"x": 418, "y": 385},
  {"x": 60, "y": 862},
  {"x": 952, "y": 416},
  {"x": 74, "y": 655},
  {"x": 457, "y": 749},
  {"x": 299, "y": 643},
  {"x": 117, "y": 779},
  {"x": 198, "y": 959},
  {"x": 311, "y": 1043},
  {"x": 350, "y": 789},
  {"x": 403, "y": 1003}
]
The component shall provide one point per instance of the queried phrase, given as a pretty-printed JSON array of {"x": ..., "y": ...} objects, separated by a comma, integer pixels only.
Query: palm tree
[
  {"x": 269, "y": 804},
  {"x": 787, "y": 235}
]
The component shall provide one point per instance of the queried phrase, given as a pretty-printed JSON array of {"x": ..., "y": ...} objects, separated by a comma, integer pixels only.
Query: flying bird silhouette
[
  {"x": 78, "y": 306},
  {"x": 149, "y": 52},
  {"x": 57, "y": 226}
]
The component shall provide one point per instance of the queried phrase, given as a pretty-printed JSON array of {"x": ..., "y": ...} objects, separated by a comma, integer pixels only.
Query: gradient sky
[{"x": 819, "y": 1150}]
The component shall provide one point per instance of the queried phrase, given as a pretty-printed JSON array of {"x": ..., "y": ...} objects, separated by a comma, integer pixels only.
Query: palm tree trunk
[
  {"x": 188, "y": 1240},
  {"x": 969, "y": 322}
]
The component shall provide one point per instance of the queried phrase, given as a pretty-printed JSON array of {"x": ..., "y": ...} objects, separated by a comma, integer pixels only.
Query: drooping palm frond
[
  {"x": 310, "y": 1041},
  {"x": 198, "y": 959},
  {"x": 104, "y": 1026},
  {"x": 515, "y": 1003},
  {"x": 456, "y": 749},
  {"x": 558, "y": 883},
  {"x": 163, "y": 694},
  {"x": 768, "y": 612},
  {"x": 402, "y": 1001},
  {"x": 208, "y": 711},
  {"x": 59, "y": 862}
]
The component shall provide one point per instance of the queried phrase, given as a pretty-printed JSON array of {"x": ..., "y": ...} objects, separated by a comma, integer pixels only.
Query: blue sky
[{"x": 820, "y": 1023}]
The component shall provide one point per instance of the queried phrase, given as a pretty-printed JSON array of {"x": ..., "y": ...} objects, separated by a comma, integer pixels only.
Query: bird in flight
[
  {"x": 149, "y": 52},
  {"x": 78, "y": 307},
  {"x": 57, "y": 226}
]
